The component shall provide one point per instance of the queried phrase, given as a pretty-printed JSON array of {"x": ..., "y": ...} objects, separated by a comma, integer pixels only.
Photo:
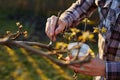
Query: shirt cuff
[
  {"x": 112, "y": 70},
  {"x": 64, "y": 19}
]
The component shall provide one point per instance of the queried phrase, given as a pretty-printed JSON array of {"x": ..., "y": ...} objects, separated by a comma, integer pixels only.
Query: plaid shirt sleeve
[
  {"x": 112, "y": 70},
  {"x": 78, "y": 11}
]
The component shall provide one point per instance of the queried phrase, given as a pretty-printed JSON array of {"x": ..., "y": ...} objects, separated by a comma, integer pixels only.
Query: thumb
[{"x": 59, "y": 29}]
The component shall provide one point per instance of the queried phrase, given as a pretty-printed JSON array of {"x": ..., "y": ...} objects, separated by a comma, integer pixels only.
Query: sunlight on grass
[
  {"x": 34, "y": 65},
  {"x": 59, "y": 70},
  {"x": 20, "y": 73}
]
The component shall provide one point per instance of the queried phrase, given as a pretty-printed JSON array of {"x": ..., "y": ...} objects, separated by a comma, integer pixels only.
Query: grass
[{"x": 18, "y": 64}]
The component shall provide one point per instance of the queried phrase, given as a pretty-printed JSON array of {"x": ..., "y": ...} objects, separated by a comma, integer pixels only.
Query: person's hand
[
  {"x": 51, "y": 29},
  {"x": 96, "y": 67}
]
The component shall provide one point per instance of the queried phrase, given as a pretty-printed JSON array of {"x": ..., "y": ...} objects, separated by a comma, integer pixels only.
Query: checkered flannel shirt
[{"x": 109, "y": 42}]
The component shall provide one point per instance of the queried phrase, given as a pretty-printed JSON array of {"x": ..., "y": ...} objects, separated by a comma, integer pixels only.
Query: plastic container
[{"x": 81, "y": 47}]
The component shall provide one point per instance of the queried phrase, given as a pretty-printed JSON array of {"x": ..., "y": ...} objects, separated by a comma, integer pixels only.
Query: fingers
[
  {"x": 51, "y": 29},
  {"x": 53, "y": 25},
  {"x": 87, "y": 66},
  {"x": 50, "y": 26},
  {"x": 60, "y": 28},
  {"x": 82, "y": 70},
  {"x": 94, "y": 68}
]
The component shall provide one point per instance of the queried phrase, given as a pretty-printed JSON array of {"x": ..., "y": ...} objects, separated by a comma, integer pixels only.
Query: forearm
[
  {"x": 113, "y": 70},
  {"x": 78, "y": 11}
]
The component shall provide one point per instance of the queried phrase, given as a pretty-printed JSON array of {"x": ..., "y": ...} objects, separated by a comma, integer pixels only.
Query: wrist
[{"x": 63, "y": 22}]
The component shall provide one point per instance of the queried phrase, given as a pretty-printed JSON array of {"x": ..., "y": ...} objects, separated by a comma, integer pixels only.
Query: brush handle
[{"x": 56, "y": 25}]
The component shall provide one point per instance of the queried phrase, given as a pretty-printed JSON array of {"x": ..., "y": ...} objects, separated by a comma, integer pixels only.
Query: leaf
[
  {"x": 91, "y": 36},
  {"x": 92, "y": 53},
  {"x": 96, "y": 30},
  {"x": 25, "y": 34},
  {"x": 61, "y": 45},
  {"x": 60, "y": 56},
  {"x": 88, "y": 21},
  {"x": 103, "y": 30},
  {"x": 86, "y": 36},
  {"x": 8, "y": 32},
  {"x": 18, "y": 23},
  {"x": 75, "y": 30}
]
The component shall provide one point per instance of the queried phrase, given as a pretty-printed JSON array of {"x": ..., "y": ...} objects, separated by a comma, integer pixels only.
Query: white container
[{"x": 83, "y": 50}]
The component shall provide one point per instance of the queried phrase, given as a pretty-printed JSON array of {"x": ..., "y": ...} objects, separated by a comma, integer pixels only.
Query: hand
[
  {"x": 51, "y": 29},
  {"x": 96, "y": 67}
]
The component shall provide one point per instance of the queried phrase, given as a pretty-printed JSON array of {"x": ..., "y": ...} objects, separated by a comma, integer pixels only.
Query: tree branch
[
  {"x": 28, "y": 46},
  {"x": 36, "y": 44}
]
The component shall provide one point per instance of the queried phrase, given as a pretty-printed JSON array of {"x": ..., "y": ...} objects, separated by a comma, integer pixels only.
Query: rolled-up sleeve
[
  {"x": 112, "y": 70},
  {"x": 78, "y": 11}
]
